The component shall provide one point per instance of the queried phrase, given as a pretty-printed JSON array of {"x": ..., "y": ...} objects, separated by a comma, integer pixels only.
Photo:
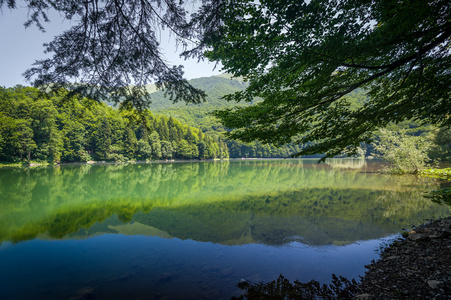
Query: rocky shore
[{"x": 418, "y": 266}]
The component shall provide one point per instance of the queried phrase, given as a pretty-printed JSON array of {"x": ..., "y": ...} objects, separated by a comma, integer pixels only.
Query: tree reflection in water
[
  {"x": 266, "y": 202},
  {"x": 283, "y": 289}
]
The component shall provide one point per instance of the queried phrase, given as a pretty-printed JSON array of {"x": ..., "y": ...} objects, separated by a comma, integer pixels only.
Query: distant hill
[
  {"x": 198, "y": 115},
  {"x": 215, "y": 87}
]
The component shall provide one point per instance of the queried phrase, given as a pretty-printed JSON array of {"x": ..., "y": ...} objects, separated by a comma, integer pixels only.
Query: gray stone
[
  {"x": 392, "y": 257},
  {"x": 445, "y": 234},
  {"x": 435, "y": 284},
  {"x": 417, "y": 237},
  {"x": 364, "y": 297}
]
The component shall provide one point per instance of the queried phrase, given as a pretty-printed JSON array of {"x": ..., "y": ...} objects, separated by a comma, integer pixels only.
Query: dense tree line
[
  {"x": 33, "y": 127},
  {"x": 300, "y": 58},
  {"x": 239, "y": 149},
  {"x": 200, "y": 115},
  {"x": 216, "y": 87},
  {"x": 41, "y": 128}
]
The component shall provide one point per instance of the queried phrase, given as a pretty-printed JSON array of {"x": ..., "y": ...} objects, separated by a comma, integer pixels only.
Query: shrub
[{"x": 405, "y": 153}]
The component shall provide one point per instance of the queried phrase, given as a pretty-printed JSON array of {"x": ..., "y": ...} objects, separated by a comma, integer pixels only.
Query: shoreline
[
  {"x": 416, "y": 266},
  {"x": 102, "y": 162}
]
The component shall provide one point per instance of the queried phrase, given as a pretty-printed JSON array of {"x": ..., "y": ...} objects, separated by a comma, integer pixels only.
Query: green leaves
[
  {"x": 406, "y": 154},
  {"x": 300, "y": 57},
  {"x": 112, "y": 50},
  {"x": 51, "y": 129},
  {"x": 303, "y": 58}
]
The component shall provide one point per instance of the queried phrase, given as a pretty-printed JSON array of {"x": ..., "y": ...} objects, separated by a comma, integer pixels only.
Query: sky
[{"x": 20, "y": 47}]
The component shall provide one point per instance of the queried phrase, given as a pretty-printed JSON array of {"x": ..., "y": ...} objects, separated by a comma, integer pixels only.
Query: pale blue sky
[{"x": 20, "y": 47}]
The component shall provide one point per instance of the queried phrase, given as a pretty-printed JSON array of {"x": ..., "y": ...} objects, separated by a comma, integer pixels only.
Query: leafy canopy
[
  {"x": 112, "y": 50},
  {"x": 302, "y": 57}
]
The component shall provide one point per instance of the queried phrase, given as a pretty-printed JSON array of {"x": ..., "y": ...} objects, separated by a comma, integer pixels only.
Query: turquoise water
[{"x": 194, "y": 230}]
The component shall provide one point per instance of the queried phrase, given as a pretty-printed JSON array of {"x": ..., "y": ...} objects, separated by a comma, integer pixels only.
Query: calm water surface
[{"x": 194, "y": 230}]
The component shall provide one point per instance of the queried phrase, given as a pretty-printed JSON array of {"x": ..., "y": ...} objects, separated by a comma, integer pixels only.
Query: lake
[{"x": 194, "y": 230}]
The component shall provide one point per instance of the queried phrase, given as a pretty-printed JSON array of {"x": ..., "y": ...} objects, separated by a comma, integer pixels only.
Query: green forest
[
  {"x": 37, "y": 127},
  {"x": 217, "y": 87},
  {"x": 200, "y": 115}
]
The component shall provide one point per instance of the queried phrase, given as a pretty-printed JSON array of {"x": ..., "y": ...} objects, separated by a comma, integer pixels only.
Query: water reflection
[
  {"x": 271, "y": 202},
  {"x": 346, "y": 163},
  {"x": 194, "y": 230}
]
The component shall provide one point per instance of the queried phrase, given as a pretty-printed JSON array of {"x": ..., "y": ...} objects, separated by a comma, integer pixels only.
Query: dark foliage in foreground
[
  {"x": 302, "y": 57},
  {"x": 282, "y": 288},
  {"x": 112, "y": 50}
]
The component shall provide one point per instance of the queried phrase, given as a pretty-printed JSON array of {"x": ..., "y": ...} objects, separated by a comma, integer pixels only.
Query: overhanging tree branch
[{"x": 302, "y": 66}]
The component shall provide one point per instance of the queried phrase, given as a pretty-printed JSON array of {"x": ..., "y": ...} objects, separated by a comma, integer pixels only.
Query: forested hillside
[
  {"x": 36, "y": 127},
  {"x": 199, "y": 115},
  {"x": 216, "y": 87}
]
